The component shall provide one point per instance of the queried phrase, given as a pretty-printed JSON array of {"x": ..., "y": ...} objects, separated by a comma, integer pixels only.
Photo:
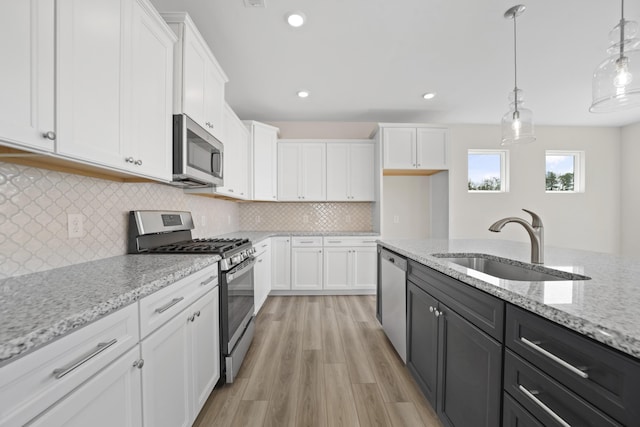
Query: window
[
  {"x": 487, "y": 171},
  {"x": 564, "y": 172}
]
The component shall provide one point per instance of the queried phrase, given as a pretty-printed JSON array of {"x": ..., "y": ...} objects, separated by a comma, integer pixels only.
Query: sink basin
[{"x": 508, "y": 269}]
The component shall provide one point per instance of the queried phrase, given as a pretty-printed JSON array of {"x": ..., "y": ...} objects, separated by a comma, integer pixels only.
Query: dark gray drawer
[
  {"x": 481, "y": 309},
  {"x": 548, "y": 401},
  {"x": 612, "y": 381},
  {"x": 514, "y": 415}
]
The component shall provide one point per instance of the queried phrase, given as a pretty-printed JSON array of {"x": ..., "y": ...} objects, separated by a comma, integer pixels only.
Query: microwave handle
[{"x": 213, "y": 161}]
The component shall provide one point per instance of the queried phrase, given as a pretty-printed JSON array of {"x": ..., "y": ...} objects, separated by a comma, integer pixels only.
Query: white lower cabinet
[
  {"x": 281, "y": 263},
  {"x": 111, "y": 398},
  {"x": 350, "y": 267},
  {"x": 262, "y": 273},
  {"x": 337, "y": 268},
  {"x": 306, "y": 263},
  {"x": 364, "y": 267},
  {"x": 181, "y": 365}
]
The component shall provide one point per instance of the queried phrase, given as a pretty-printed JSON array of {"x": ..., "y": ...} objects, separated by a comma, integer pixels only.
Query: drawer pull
[
  {"x": 534, "y": 346},
  {"x": 61, "y": 372},
  {"x": 334, "y": 241},
  {"x": 545, "y": 408},
  {"x": 306, "y": 241},
  {"x": 168, "y": 305},
  {"x": 209, "y": 280}
]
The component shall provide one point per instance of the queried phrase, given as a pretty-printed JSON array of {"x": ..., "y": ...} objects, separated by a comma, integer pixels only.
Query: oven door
[{"x": 239, "y": 302}]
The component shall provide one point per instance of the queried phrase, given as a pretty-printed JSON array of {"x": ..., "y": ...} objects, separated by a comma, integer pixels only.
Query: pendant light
[
  {"x": 517, "y": 124},
  {"x": 616, "y": 81}
]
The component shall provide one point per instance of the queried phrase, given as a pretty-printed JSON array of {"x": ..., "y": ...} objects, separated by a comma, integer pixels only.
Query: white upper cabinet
[
  {"x": 27, "y": 84},
  {"x": 199, "y": 79},
  {"x": 114, "y": 86},
  {"x": 302, "y": 171},
  {"x": 263, "y": 168},
  {"x": 415, "y": 147},
  {"x": 236, "y": 157},
  {"x": 350, "y": 171}
]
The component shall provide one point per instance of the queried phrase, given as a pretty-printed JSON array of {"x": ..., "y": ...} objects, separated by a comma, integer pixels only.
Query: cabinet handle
[
  {"x": 306, "y": 241},
  {"x": 260, "y": 260},
  {"x": 334, "y": 241},
  {"x": 198, "y": 313},
  {"x": 438, "y": 313},
  {"x": 231, "y": 190},
  {"x": 138, "y": 363},
  {"x": 129, "y": 159},
  {"x": 534, "y": 346},
  {"x": 49, "y": 135},
  {"x": 61, "y": 372},
  {"x": 168, "y": 305},
  {"x": 531, "y": 395},
  {"x": 209, "y": 125},
  {"x": 209, "y": 280},
  {"x": 138, "y": 162},
  {"x": 431, "y": 309},
  {"x": 191, "y": 318},
  {"x": 264, "y": 246}
]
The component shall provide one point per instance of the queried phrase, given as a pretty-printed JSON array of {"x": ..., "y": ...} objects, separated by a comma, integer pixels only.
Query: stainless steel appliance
[
  {"x": 394, "y": 300},
  {"x": 160, "y": 232},
  {"x": 197, "y": 155}
]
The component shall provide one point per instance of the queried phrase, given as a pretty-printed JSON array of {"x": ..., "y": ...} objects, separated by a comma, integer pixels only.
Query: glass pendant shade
[
  {"x": 517, "y": 124},
  {"x": 616, "y": 81}
]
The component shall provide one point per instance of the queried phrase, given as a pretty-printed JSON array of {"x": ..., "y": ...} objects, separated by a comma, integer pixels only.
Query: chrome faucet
[{"x": 535, "y": 230}]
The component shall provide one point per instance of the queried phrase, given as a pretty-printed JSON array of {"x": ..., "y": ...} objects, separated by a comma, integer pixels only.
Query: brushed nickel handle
[
  {"x": 209, "y": 280},
  {"x": 534, "y": 346},
  {"x": 138, "y": 162},
  {"x": 438, "y": 313},
  {"x": 334, "y": 241},
  {"x": 129, "y": 160},
  {"x": 306, "y": 241},
  {"x": 260, "y": 260},
  {"x": 138, "y": 363},
  {"x": 198, "y": 313},
  {"x": 531, "y": 395},
  {"x": 49, "y": 135},
  {"x": 191, "y": 318},
  {"x": 431, "y": 309},
  {"x": 168, "y": 305},
  {"x": 209, "y": 125},
  {"x": 231, "y": 190},
  {"x": 61, "y": 372}
]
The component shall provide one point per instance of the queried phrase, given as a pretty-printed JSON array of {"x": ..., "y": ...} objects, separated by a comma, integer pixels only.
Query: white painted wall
[
  {"x": 630, "y": 203},
  {"x": 406, "y": 197},
  {"x": 589, "y": 221}
]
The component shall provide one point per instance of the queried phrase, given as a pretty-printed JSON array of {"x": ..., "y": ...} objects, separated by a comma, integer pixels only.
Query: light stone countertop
[
  {"x": 605, "y": 308},
  {"x": 38, "y": 308},
  {"x": 257, "y": 236}
]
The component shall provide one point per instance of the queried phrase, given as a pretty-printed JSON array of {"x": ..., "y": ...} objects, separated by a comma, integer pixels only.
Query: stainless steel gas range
[{"x": 158, "y": 232}]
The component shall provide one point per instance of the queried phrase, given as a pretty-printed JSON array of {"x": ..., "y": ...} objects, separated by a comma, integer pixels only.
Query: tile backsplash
[
  {"x": 34, "y": 204},
  {"x": 321, "y": 216}
]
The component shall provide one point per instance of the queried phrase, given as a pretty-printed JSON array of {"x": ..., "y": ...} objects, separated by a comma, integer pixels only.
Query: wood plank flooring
[{"x": 319, "y": 361}]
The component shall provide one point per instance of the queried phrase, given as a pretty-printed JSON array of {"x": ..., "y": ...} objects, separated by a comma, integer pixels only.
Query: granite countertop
[
  {"x": 38, "y": 308},
  {"x": 257, "y": 236},
  {"x": 605, "y": 308}
]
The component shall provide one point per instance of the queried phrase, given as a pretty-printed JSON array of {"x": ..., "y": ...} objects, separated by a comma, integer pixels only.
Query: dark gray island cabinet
[{"x": 483, "y": 362}]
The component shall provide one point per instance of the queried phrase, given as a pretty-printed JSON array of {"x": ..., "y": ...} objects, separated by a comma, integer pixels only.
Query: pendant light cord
[
  {"x": 622, "y": 31},
  {"x": 515, "y": 65}
]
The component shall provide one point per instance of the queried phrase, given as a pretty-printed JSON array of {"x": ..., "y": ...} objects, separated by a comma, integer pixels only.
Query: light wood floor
[{"x": 319, "y": 361}]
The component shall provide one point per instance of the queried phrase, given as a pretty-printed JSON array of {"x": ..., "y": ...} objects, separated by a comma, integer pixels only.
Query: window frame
[
  {"x": 578, "y": 170},
  {"x": 504, "y": 169}
]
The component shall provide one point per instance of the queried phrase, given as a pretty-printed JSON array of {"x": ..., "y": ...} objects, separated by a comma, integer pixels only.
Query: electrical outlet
[
  {"x": 229, "y": 219},
  {"x": 347, "y": 218},
  {"x": 305, "y": 218},
  {"x": 75, "y": 226},
  {"x": 396, "y": 219}
]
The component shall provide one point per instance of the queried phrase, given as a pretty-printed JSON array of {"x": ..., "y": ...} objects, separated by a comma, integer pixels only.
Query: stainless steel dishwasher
[{"x": 394, "y": 300}]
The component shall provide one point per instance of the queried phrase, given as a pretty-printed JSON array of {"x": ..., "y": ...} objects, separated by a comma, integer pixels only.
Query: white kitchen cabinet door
[
  {"x": 27, "y": 84},
  {"x": 399, "y": 146},
  {"x": 313, "y": 171},
  {"x": 281, "y": 263},
  {"x": 289, "y": 173},
  {"x": 204, "y": 338},
  {"x": 361, "y": 172},
  {"x": 431, "y": 149},
  {"x": 111, "y": 398},
  {"x": 92, "y": 91},
  {"x": 364, "y": 267},
  {"x": 265, "y": 161},
  {"x": 214, "y": 84},
  {"x": 262, "y": 274},
  {"x": 338, "y": 172},
  {"x": 151, "y": 117},
  {"x": 236, "y": 154},
  {"x": 337, "y": 268},
  {"x": 166, "y": 380},
  {"x": 306, "y": 267}
]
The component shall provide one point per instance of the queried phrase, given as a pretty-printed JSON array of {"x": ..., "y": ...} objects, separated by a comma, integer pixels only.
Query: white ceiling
[{"x": 371, "y": 60}]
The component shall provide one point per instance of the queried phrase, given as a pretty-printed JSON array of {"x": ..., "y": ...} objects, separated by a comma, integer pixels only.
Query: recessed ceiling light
[
  {"x": 296, "y": 19},
  {"x": 429, "y": 95},
  {"x": 303, "y": 93}
]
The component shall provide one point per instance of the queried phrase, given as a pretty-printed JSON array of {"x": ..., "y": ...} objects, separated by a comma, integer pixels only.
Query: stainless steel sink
[{"x": 504, "y": 268}]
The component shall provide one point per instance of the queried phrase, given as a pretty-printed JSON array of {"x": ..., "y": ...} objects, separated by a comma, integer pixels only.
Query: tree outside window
[
  {"x": 564, "y": 171},
  {"x": 487, "y": 171}
]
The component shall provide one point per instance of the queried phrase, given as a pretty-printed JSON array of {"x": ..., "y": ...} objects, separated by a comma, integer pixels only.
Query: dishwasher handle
[{"x": 395, "y": 259}]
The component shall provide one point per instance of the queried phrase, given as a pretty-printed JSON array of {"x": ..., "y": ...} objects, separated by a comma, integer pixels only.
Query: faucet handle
[{"x": 536, "y": 220}]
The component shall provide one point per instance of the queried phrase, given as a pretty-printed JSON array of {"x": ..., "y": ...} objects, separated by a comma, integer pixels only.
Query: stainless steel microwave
[{"x": 197, "y": 155}]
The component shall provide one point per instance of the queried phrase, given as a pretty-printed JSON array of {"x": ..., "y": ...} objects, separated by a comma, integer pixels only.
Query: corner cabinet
[
  {"x": 350, "y": 171},
  {"x": 414, "y": 147},
  {"x": 199, "y": 79},
  {"x": 454, "y": 348},
  {"x": 114, "y": 86},
  {"x": 263, "y": 168},
  {"x": 302, "y": 171}
]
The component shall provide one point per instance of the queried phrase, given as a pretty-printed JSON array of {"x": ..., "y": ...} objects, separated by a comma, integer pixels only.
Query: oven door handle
[{"x": 241, "y": 269}]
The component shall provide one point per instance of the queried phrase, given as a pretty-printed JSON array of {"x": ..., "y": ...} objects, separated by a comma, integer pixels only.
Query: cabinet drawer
[
  {"x": 350, "y": 241},
  {"x": 514, "y": 415},
  {"x": 547, "y": 400},
  {"x": 602, "y": 376},
  {"x": 482, "y": 310},
  {"x": 262, "y": 246},
  {"x": 310, "y": 241},
  {"x": 33, "y": 383},
  {"x": 161, "y": 306}
]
